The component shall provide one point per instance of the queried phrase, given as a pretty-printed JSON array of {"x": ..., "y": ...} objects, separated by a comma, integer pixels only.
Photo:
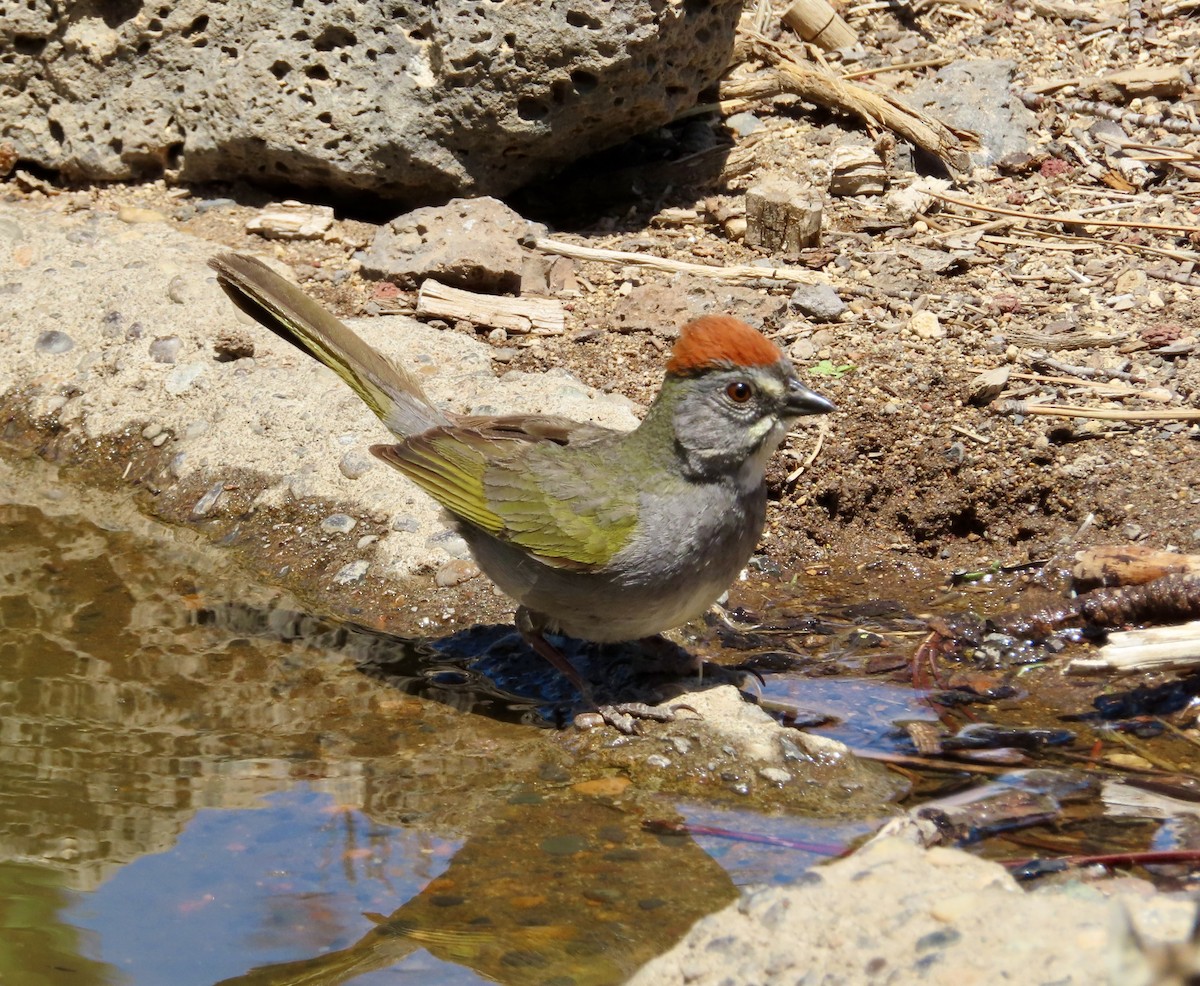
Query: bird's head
[{"x": 734, "y": 395}]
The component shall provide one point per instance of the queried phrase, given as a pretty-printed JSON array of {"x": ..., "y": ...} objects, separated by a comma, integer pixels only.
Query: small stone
[
  {"x": 338, "y": 524},
  {"x": 206, "y": 205},
  {"x": 658, "y": 760},
  {"x": 743, "y": 124},
  {"x": 450, "y": 542},
  {"x": 161, "y": 440},
  {"x": 776, "y": 775},
  {"x": 356, "y": 463},
  {"x": 366, "y": 541},
  {"x": 165, "y": 349},
  {"x": 152, "y": 431},
  {"x": 54, "y": 342},
  {"x": 802, "y": 350},
  {"x": 455, "y": 572},
  {"x": 1131, "y": 282},
  {"x": 204, "y": 506},
  {"x": 352, "y": 572},
  {"x": 409, "y": 525},
  {"x": 134, "y": 214},
  {"x": 925, "y": 325},
  {"x": 817, "y": 301}
]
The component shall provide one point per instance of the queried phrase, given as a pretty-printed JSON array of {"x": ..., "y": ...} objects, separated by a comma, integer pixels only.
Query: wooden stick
[
  {"x": 1063, "y": 217},
  {"x": 1102, "y": 413},
  {"x": 875, "y": 107},
  {"x": 539, "y": 316},
  {"x": 738, "y": 272}
]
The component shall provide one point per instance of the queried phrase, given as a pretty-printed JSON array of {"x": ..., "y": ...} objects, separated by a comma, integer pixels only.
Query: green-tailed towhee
[{"x": 597, "y": 534}]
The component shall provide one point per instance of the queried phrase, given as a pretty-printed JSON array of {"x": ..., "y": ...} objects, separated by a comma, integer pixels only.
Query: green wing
[{"x": 522, "y": 492}]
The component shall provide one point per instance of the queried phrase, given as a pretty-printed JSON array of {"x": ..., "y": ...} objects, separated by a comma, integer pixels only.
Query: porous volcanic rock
[{"x": 408, "y": 101}]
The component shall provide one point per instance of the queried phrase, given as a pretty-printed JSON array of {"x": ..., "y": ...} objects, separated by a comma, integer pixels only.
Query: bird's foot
[{"x": 626, "y": 717}]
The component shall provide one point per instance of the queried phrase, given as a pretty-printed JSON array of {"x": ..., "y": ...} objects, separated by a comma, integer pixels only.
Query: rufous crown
[{"x": 720, "y": 341}]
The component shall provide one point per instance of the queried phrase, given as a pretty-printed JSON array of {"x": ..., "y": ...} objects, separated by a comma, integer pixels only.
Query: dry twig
[{"x": 876, "y": 108}]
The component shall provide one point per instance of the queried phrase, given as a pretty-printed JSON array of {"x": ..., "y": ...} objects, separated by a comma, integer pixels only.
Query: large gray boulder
[{"x": 410, "y": 101}]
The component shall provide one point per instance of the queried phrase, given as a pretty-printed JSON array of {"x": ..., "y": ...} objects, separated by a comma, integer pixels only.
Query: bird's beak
[{"x": 801, "y": 401}]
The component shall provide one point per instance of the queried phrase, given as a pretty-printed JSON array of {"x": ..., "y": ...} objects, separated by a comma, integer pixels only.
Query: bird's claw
[{"x": 625, "y": 717}]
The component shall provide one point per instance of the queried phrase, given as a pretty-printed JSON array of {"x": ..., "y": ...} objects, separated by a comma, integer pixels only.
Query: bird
[{"x": 597, "y": 534}]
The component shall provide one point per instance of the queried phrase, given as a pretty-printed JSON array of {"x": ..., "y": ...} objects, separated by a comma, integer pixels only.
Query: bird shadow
[{"x": 486, "y": 669}]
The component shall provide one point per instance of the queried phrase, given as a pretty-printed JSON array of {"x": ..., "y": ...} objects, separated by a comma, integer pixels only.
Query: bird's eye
[{"x": 739, "y": 392}]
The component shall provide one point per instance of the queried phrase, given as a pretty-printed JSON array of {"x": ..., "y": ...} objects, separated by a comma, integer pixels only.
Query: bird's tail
[{"x": 390, "y": 391}]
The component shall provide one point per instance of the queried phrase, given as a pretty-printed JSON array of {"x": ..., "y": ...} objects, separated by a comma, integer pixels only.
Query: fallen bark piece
[
  {"x": 1129, "y": 564},
  {"x": 1145, "y": 80},
  {"x": 292, "y": 220},
  {"x": 818, "y": 23},
  {"x": 989, "y": 385},
  {"x": 1154, "y": 649},
  {"x": 783, "y": 216},
  {"x": 537, "y": 316},
  {"x": 857, "y": 170}
]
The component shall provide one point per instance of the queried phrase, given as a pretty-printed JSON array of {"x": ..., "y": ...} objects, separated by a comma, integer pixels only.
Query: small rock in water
[
  {"x": 351, "y": 572},
  {"x": 776, "y": 775},
  {"x": 204, "y": 506},
  {"x": 54, "y": 342}
]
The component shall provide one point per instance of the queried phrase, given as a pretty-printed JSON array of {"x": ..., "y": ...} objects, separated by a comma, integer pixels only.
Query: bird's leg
[
  {"x": 532, "y": 629},
  {"x": 622, "y": 716}
]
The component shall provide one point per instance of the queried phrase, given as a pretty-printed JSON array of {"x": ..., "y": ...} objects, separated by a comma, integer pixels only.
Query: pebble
[
  {"x": 658, "y": 760},
  {"x": 135, "y": 214},
  {"x": 817, "y": 301},
  {"x": 776, "y": 775},
  {"x": 451, "y": 543},
  {"x": 351, "y": 572},
  {"x": 408, "y": 524},
  {"x": 152, "y": 431},
  {"x": 743, "y": 124},
  {"x": 204, "y": 205},
  {"x": 165, "y": 349},
  {"x": 367, "y": 540},
  {"x": 926, "y": 326},
  {"x": 356, "y": 463},
  {"x": 204, "y": 506},
  {"x": 54, "y": 342},
  {"x": 802, "y": 350},
  {"x": 338, "y": 524},
  {"x": 455, "y": 572}
]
